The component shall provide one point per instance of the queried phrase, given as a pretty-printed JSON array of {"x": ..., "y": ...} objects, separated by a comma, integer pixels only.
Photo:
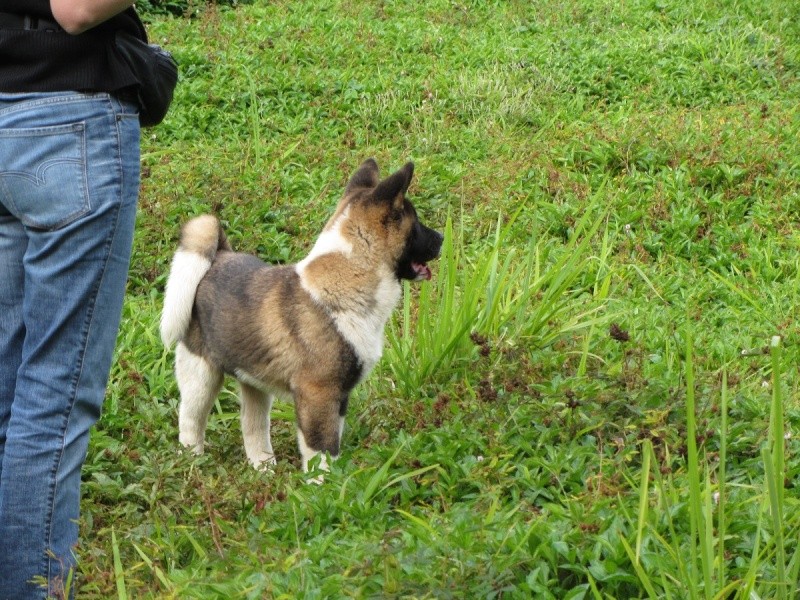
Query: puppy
[{"x": 312, "y": 330}]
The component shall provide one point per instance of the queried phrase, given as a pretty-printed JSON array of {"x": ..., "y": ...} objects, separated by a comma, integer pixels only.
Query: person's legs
[
  {"x": 69, "y": 173},
  {"x": 13, "y": 243}
]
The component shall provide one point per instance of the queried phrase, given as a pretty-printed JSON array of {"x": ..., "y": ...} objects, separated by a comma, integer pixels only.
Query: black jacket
[{"x": 41, "y": 60}]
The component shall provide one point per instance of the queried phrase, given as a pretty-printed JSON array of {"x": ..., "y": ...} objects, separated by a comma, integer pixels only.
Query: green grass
[{"x": 566, "y": 410}]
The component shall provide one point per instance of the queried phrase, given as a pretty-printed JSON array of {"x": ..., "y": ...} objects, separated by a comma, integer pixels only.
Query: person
[{"x": 69, "y": 181}]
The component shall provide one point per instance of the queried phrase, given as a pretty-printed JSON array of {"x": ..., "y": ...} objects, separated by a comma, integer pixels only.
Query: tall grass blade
[
  {"x": 409, "y": 475},
  {"x": 414, "y": 519},
  {"x": 644, "y": 501},
  {"x": 721, "y": 489},
  {"x": 381, "y": 475},
  {"x": 777, "y": 428},
  {"x": 700, "y": 505},
  {"x": 159, "y": 573},
  {"x": 119, "y": 573},
  {"x": 777, "y": 520},
  {"x": 752, "y": 571},
  {"x": 775, "y": 481},
  {"x": 692, "y": 460},
  {"x": 793, "y": 577},
  {"x": 707, "y": 536},
  {"x": 593, "y": 587},
  {"x": 643, "y": 577}
]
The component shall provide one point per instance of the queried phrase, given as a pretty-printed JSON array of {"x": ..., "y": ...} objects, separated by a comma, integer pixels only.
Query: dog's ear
[
  {"x": 366, "y": 176},
  {"x": 394, "y": 187}
]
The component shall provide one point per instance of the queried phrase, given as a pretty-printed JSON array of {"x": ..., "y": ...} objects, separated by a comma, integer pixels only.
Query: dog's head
[{"x": 384, "y": 222}]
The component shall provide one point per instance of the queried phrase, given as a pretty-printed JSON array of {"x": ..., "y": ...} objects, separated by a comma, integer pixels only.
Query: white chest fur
[
  {"x": 362, "y": 320},
  {"x": 363, "y": 329}
]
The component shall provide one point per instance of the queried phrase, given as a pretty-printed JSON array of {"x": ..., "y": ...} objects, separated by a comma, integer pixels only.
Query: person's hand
[{"x": 77, "y": 16}]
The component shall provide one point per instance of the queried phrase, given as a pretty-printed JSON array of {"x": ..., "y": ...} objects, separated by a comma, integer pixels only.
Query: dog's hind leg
[
  {"x": 199, "y": 383},
  {"x": 256, "y": 405}
]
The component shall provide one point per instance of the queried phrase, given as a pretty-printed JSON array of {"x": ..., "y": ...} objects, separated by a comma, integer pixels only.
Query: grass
[{"x": 585, "y": 402}]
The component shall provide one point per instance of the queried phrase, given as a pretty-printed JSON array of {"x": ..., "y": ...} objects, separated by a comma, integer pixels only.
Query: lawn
[{"x": 597, "y": 395}]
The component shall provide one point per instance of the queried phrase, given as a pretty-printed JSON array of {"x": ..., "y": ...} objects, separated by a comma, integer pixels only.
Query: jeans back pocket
[{"x": 43, "y": 175}]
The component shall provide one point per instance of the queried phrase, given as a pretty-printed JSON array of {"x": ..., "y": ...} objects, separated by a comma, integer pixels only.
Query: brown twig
[{"x": 215, "y": 533}]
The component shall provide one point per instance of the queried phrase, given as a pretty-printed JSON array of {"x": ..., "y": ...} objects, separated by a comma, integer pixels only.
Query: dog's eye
[{"x": 397, "y": 215}]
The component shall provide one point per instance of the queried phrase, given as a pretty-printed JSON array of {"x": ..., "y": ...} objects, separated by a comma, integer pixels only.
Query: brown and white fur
[{"x": 312, "y": 330}]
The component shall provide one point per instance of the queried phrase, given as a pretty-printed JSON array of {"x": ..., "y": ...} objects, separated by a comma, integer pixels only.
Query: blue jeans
[{"x": 69, "y": 181}]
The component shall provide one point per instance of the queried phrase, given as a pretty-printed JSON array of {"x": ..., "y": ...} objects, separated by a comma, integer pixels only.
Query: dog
[{"x": 312, "y": 330}]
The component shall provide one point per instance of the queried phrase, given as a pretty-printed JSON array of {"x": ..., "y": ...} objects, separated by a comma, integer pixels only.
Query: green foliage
[
  {"x": 674, "y": 565},
  {"x": 566, "y": 410},
  {"x": 500, "y": 295},
  {"x": 184, "y": 8}
]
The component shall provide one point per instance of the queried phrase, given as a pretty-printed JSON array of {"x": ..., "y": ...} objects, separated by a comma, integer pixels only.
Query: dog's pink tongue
[{"x": 422, "y": 271}]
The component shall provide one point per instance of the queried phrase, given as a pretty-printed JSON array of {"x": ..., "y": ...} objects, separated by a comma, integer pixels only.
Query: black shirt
[{"x": 55, "y": 61}]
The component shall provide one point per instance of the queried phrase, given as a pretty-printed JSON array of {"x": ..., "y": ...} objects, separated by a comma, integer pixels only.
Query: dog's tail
[{"x": 201, "y": 238}]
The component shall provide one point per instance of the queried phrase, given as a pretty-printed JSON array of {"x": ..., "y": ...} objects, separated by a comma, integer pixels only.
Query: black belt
[{"x": 27, "y": 22}]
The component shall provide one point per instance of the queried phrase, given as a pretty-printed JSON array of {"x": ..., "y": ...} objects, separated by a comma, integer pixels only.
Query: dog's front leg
[{"x": 320, "y": 422}]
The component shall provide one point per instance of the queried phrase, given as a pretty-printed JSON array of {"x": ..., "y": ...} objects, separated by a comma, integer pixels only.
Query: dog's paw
[
  {"x": 317, "y": 464},
  {"x": 317, "y": 480},
  {"x": 192, "y": 444},
  {"x": 264, "y": 462}
]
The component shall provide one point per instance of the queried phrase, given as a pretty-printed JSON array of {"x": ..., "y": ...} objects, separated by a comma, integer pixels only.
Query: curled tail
[{"x": 201, "y": 238}]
